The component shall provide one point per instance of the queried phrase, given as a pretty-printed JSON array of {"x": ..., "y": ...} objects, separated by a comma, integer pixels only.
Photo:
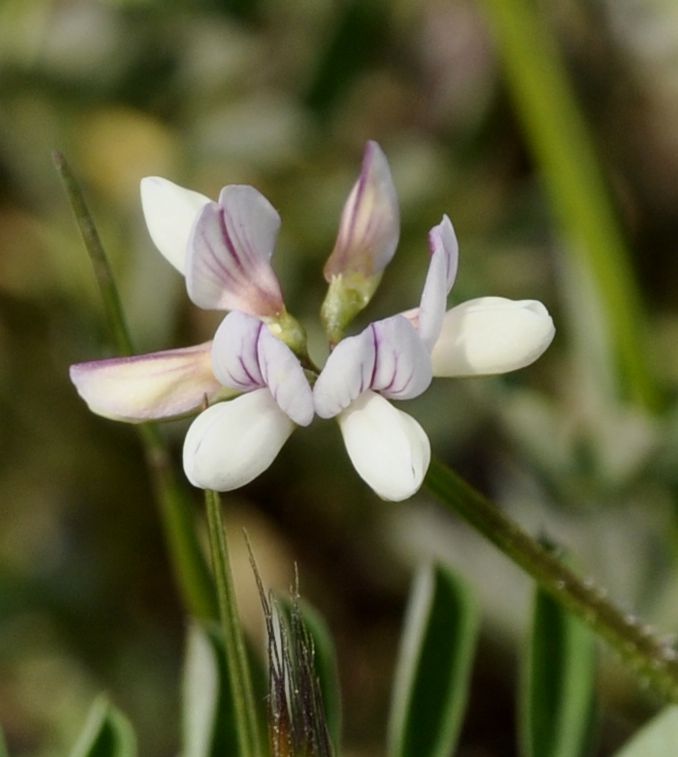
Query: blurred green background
[{"x": 283, "y": 95}]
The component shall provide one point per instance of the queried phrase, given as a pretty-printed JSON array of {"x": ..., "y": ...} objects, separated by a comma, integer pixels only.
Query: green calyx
[
  {"x": 347, "y": 295},
  {"x": 288, "y": 329}
]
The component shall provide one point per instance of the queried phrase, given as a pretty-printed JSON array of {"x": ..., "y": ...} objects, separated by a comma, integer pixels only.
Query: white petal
[
  {"x": 147, "y": 387},
  {"x": 231, "y": 443},
  {"x": 370, "y": 221},
  {"x": 247, "y": 356},
  {"x": 170, "y": 212},
  {"x": 387, "y": 447},
  {"x": 491, "y": 335},
  {"x": 229, "y": 251},
  {"x": 440, "y": 277}
]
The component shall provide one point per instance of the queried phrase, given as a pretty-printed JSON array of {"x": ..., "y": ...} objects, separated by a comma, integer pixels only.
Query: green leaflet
[
  {"x": 659, "y": 738},
  {"x": 434, "y": 666},
  {"x": 107, "y": 733},
  {"x": 557, "y": 692}
]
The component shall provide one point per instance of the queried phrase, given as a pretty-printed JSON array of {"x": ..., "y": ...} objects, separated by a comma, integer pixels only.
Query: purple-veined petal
[
  {"x": 246, "y": 356},
  {"x": 370, "y": 221},
  {"x": 147, "y": 387},
  {"x": 228, "y": 264},
  {"x": 440, "y": 277},
  {"x": 346, "y": 375},
  {"x": 231, "y": 443},
  {"x": 388, "y": 357},
  {"x": 235, "y": 352},
  {"x": 403, "y": 365},
  {"x": 170, "y": 212},
  {"x": 491, "y": 335},
  {"x": 387, "y": 447}
]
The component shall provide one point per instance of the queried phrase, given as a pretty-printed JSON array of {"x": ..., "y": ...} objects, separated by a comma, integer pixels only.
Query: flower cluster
[{"x": 254, "y": 382}]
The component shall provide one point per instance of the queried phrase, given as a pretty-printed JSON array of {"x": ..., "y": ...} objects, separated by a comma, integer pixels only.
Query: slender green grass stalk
[
  {"x": 649, "y": 657},
  {"x": 564, "y": 150},
  {"x": 246, "y": 723},
  {"x": 189, "y": 564}
]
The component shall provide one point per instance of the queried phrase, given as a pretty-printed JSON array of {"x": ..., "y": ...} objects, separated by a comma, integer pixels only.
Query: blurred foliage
[{"x": 283, "y": 95}]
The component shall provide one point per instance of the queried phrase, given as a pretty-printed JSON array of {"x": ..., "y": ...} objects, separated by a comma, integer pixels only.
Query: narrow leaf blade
[
  {"x": 656, "y": 739},
  {"x": 434, "y": 666},
  {"x": 107, "y": 733},
  {"x": 208, "y": 719},
  {"x": 557, "y": 698}
]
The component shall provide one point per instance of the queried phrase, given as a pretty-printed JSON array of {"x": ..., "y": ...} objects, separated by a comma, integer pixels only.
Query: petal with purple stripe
[
  {"x": 440, "y": 277},
  {"x": 388, "y": 357},
  {"x": 148, "y": 387},
  {"x": 370, "y": 221},
  {"x": 246, "y": 356},
  {"x": 228, "y": 264}
]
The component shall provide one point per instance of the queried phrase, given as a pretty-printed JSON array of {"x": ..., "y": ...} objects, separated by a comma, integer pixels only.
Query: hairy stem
[{"x": 648, "y": 656}]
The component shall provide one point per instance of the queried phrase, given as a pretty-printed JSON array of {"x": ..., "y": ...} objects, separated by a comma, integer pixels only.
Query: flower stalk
[
  {"x": 648, "y": 656},
  {"x": 189, "y": 565},
  {"x": 246, "y": 725}
]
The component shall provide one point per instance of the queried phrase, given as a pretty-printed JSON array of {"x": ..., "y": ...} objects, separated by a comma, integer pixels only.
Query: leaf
[
  {"x": 208, "y": 720},
  {"x": 656, "y": 739},
  {"x": 557, "y": 693},
  {"x": 107, "y": 733},
  {"x": 325, "y": 665},
  {"x": 434, "y": 666},
  {"x": 3, "y": 745}
]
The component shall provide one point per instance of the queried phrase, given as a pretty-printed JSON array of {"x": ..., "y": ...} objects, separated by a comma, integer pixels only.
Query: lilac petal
[
  {"x": 231, "y": 443},
  {"x": 246, "y": 356},
  {"x": 388, "y": 448},
  {"x": 170, "y": 212},
  {"x": 442, "y": 272},
  {"x": 403, "y": 365},
  {"x": 147, "y": 387},
  {"x": 387, "y": 356},
  {"x": 370, "y": 221},
  {"x": 346, "y": 374},
  {"x": 228, "y": 266},
  {"x": 235, "y": 352}
]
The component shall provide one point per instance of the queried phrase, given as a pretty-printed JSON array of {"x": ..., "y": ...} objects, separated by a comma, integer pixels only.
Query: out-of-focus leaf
[
  {"x": 3, "y": 746},
  {"x": 208, "y": 719},
  {"x": 434, "y": 665},
  {"x": 325, "y": 665},
  {"x": 659, "y": 738},
  {"x": 107, "y": 733},
  {"x": 557, "y": 697}
]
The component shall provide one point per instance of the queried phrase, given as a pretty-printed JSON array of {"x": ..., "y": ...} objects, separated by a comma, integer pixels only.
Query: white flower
[
  {"x": 250, "y": 376},
  {"x": 224, "y": 250},
  {"x": 397, "y": 357}
]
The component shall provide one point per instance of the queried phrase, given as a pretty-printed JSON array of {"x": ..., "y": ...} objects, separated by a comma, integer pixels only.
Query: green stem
[
  {"x": 649, "y": 657},
  {"x": 238, "y": 666},
  {"x": 564, "y": 150},
  {"x": 188, "y": 562}
]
